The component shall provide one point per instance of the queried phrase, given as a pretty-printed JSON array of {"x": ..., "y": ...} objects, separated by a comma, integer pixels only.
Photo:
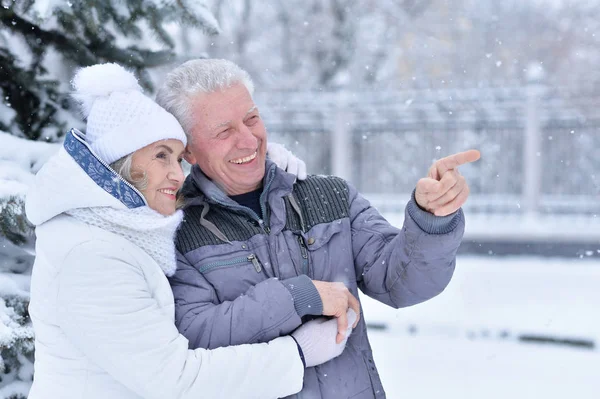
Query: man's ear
[{"x": 189, "y": 157}]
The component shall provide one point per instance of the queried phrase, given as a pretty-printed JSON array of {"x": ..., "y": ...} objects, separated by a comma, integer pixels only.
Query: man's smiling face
[{"x": 229, "y": 139}]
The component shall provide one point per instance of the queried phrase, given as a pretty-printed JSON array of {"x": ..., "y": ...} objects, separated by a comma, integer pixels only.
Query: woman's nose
[{"x": 176, "y": 174}]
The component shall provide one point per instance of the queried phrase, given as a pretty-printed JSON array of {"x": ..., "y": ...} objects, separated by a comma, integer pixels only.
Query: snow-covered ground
[{"x": 465, "y": 342}]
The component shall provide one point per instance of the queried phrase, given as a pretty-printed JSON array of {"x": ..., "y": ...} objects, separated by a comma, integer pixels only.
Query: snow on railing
[{"x": 538, "y": 143}]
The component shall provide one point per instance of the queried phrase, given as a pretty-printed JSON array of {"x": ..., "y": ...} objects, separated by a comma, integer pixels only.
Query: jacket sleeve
[
  {"x": 269, "y": 309},
  {"x": 403, "y": 267},
  {"x": 106, "y": 310}
]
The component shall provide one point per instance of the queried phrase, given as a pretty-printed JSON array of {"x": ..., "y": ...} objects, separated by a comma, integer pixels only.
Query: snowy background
[
  {"x": 471, "y": 341},
  {"x": 372, "y": 91}
]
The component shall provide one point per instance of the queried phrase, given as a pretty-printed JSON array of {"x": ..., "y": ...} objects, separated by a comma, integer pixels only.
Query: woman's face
[{"x": 160, "y": 163}]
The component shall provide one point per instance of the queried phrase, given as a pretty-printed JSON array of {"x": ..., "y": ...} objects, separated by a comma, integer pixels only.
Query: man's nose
[{"x": 246, "y": 138}]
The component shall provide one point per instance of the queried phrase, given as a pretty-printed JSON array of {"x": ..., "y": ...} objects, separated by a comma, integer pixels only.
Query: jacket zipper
[
  {"x": 252, "y": 258},
  {"x": 230, "y": 262},
  {"x": 304, "y": 253},
  {"x": 260, "y": 221},
  {"x": 263, "y": 223}
]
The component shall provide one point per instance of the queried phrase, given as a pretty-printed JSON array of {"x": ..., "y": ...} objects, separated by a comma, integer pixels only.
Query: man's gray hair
[{"x": 201, "y": 76}]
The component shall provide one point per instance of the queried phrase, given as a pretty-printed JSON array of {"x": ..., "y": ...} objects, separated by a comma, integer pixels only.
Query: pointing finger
[{"x": 455, "y": 160}]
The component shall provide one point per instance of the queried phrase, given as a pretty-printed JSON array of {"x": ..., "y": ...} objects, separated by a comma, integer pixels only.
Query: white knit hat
[{"x": 120, "y": 118}]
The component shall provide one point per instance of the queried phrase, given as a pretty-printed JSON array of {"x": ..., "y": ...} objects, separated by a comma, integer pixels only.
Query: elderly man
[{"x": 260, "y": 252}]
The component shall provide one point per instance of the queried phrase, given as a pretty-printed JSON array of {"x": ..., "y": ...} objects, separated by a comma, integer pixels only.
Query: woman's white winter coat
[{"x": 103, "y": 311}]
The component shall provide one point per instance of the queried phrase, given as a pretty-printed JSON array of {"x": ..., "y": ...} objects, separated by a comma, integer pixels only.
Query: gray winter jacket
[{"x": 245, "y": 278}]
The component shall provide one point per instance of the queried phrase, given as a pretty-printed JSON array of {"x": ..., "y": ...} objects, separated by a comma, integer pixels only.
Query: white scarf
[{"x": 143, "y": 226}]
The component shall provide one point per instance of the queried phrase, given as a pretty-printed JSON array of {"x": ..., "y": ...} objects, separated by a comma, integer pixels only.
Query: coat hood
[{"x": 75, "y": 177}]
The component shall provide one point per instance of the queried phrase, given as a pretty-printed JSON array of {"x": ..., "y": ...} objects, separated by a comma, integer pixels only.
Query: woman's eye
[
  {"x": 161, "y": 155},
  {"x": 180, "y": 160}
]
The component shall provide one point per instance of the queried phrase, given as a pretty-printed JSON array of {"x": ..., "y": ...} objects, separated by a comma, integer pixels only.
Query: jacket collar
[
  {"x": 199, "y": 188},
  {"x": 75, "y": 178},
  {"x": 100, "y": 172}
]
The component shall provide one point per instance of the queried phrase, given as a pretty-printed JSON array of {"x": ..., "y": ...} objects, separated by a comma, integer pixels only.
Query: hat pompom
[{"x": 96, "y": 81}]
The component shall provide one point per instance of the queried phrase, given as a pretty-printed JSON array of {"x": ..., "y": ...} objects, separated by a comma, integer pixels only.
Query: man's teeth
[
  {"x": 246, "y": 159},
  {"x": 171, "y": 192}
]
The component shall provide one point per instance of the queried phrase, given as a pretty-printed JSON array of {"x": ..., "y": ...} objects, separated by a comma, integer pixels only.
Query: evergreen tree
[
  {"x": 83, "y": 32},
  {"x": 42, "y": 43},
  {"x": 16, "y": 346}
]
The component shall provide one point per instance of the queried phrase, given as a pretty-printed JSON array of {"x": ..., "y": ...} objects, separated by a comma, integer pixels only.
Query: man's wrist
[
  {"x": 307, "y": 300},
  {"x": 430, "y": 223}
]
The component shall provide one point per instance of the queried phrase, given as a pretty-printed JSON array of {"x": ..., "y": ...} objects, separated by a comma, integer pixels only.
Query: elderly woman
[{"x": 105, "y": 214}]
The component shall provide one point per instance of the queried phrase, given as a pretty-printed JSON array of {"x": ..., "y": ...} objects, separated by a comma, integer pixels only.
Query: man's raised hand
[{"x": 445, "y": 190}]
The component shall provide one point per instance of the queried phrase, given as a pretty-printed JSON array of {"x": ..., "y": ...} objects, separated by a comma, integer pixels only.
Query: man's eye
[
  {"x": 252, "y": 120},
  {"x": 224, "y": 134}
]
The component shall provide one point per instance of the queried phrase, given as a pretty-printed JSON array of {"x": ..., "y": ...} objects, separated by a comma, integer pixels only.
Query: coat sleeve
[
  {"x": 403, "y": 267},
  {"x": 269, "y": 309},
  {"x": 106, "y": 310}
]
